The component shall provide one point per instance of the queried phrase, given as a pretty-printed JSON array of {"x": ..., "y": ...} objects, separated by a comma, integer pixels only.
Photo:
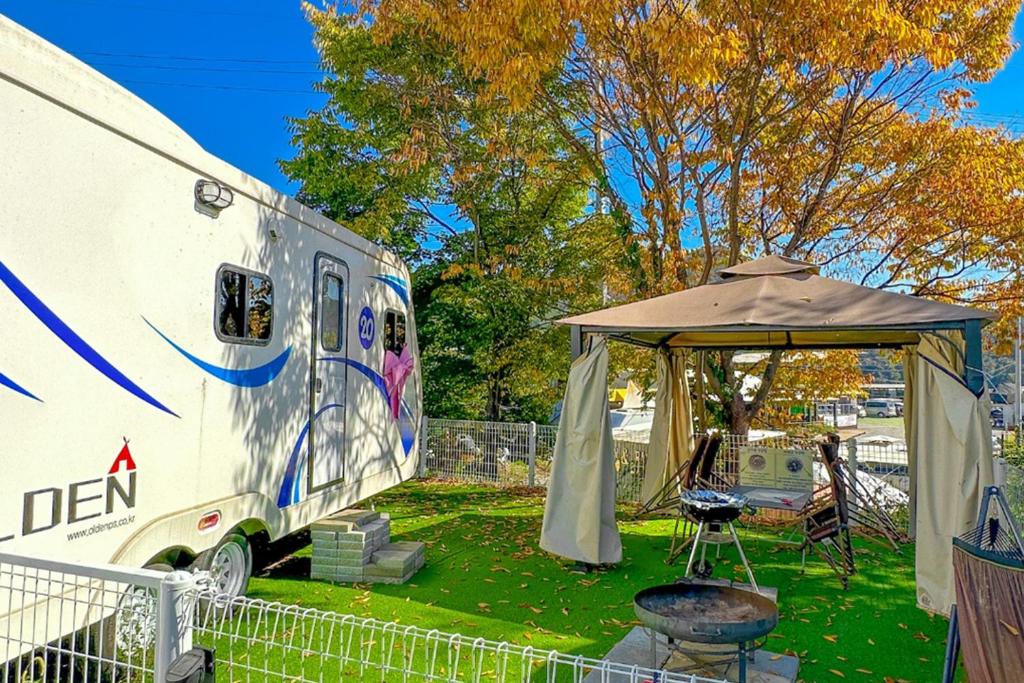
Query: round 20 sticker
[{"x": 366, "y": 327}]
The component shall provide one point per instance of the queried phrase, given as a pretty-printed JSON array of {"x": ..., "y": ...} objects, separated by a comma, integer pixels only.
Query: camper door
[{"x": 328, "y": 374}]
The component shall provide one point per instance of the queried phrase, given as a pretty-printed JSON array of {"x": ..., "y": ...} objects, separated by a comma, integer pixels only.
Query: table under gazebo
[{"x": 778, "y": 303}]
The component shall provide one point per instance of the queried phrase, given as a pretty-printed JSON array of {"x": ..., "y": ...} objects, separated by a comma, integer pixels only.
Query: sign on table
[{"x": 777, "y": 468}]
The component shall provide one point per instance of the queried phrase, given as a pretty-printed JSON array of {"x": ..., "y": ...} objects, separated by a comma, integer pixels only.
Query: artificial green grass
[{"x": 485, "y": 576}]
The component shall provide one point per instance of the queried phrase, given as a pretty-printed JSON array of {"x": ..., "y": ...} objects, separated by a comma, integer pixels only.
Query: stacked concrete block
[{"x": 354, "y": 546}]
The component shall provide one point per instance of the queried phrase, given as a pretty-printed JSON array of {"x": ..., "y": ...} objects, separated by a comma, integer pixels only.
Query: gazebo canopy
[
  {"x": 781, "y": 303},
  {"x": 778, "y": 302}
]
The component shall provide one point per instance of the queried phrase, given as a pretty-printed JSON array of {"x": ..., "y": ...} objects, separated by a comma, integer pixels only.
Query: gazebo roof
[{"x": 777, "y": 302}]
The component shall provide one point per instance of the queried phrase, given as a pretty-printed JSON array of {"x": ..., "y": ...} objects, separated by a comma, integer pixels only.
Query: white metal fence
[
  {"x": 66, "y": 622},
  {"x": 512, "y": 454},
  {"x": 885, "y": 460},
  {"x": 519, "y": 454},
  {"x": 69, "y": 622}
]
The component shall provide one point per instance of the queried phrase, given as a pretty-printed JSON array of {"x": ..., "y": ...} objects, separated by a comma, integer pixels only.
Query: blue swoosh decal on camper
[
  {"x": 291, "y": 485},
  {"x": 14, "y": 386},
  {"x": 405, "y": 427},
  {"x": 73, "y": 341},
  {"x": 253, "y": 377},
  {"x": 396, "y": 283},
  {"x": 369, "y": 373}
]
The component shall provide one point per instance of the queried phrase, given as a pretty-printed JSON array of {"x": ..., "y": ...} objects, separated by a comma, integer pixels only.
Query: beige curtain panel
[
  {"x": 949, "y": 451},
  {"x": 579, "y": 516},
  {"x": 672, "y": 428}
]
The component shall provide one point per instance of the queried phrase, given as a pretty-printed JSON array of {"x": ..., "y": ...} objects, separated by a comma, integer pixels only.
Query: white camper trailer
[{"x": 190, "y": 362}]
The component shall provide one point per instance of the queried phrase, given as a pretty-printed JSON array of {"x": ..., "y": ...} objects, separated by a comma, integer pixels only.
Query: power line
[
  {"x": 164, "y": 67},
  {"x": 194, "y": 58},
  {"x": 210, "y": 86},
  {"x": 171, "y": 10}
]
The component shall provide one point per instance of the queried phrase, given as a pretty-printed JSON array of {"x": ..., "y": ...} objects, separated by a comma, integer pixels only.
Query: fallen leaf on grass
[
  {"x": 1010, "y": 627},
  {"x": 837, "y": 673},
  {"x": 868, "y": 672},
  {"x": 831, "y": 639}
]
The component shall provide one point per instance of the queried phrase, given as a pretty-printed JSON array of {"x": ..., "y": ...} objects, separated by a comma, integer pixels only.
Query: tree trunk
[
  {"x": 739, "y": 417},
  {"x": 493, "y": 399}
]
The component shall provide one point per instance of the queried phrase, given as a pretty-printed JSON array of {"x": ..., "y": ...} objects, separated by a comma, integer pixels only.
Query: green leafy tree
[{"x": 490, "y": 203}]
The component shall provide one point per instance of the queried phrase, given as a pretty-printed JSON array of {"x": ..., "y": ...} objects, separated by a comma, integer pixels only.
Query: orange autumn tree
[{"x": 719, "y": 130}]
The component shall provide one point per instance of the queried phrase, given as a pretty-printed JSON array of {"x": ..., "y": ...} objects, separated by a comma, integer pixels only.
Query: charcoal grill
[
  {"x": 711, "y": 510},
  {"x": 708, "y": 614}
]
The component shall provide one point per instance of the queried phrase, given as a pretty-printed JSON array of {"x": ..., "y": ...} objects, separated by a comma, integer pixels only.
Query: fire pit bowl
[{"x": 697, "y": 613}]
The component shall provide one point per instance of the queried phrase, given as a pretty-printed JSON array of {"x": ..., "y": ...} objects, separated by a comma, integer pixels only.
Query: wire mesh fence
[
  {"x": 488, "y": 452},
  {"x": 61, "y": 622},
  {"x": 886, "y": 460},
  {"x": 262, "y": 641},
  {"x": 516, "y": 454},
  {"x": 74, "y": 622},
  {"x": 1013, "y": 489}
]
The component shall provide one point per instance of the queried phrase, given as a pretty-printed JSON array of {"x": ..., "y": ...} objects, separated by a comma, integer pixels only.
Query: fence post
[
  {"x": 174, "y": 608},
  {"x": 423, "y": 447},
  {"x": 851, "y": 461},
  {"x": 532, "y": 454},
  {"x": 1000, "y": 469}
]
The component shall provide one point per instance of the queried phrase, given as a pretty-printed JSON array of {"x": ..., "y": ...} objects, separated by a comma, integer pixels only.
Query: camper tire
[
  {"x": 132, "y": 628},
  {"x": 229, "y": 564}
]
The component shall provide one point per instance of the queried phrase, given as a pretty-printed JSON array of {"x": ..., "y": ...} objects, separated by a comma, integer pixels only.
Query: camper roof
[{"x": 32, "y": 63}]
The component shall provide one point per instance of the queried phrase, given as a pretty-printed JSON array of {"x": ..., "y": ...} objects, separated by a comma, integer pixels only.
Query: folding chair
[
  {"x": 826, "y": 522},
  {"x": 702, "y": 462},
  {"x": 870, "y": 519},
  {"x": 682, "y": 479}
]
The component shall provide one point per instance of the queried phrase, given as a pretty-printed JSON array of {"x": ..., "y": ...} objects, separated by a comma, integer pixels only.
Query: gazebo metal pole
[
  {"x": 974, "y": 376},
  {"x": 575, "y": 341},
  {"x": 698, "y": 376}
]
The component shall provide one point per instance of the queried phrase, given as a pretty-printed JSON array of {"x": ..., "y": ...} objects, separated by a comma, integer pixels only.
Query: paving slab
[{"x": 636, "y": 650}]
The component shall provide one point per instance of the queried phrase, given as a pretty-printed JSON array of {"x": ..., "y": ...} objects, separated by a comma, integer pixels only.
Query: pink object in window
[{"x": 397, "y": 369}]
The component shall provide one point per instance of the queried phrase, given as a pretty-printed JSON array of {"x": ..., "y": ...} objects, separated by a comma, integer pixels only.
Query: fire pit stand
[{"x": 688, "y": 612}]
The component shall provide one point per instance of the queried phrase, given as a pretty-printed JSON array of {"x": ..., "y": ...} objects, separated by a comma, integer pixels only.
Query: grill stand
[
  {"x": 704, "y": 658},
  {"x": 699, "y": 539}
]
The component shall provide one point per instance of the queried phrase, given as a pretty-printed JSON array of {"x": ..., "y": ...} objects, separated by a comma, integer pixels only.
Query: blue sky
[{"x": 230, "y": 72}]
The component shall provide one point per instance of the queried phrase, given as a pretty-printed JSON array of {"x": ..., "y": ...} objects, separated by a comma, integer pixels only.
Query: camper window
[
  {"x": 331, "y": 314},
  {"x": 394, "y": 332},
  {"x": 245, "y": 306}
]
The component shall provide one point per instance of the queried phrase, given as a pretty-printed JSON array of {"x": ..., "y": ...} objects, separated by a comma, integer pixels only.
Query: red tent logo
[{"x": 125, "y": 458}]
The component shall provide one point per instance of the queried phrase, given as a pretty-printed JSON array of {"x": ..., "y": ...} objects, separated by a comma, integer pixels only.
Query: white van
[
  {"x": 881, "y": 407},
  {"x": 191, "y": 363}
]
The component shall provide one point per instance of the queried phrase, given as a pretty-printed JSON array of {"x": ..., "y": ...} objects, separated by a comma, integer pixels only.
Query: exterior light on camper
[
  {"x": 212, "y": 197},
  {"x": 209, "y": 521}
]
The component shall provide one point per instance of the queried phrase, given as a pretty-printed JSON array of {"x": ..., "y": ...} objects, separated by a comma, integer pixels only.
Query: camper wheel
[{"x": 229, "y": 564}]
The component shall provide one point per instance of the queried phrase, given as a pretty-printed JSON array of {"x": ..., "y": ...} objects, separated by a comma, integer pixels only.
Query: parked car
[
  {"x": 998, "y": 418},
  {"x": 881, "y": 407}
]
